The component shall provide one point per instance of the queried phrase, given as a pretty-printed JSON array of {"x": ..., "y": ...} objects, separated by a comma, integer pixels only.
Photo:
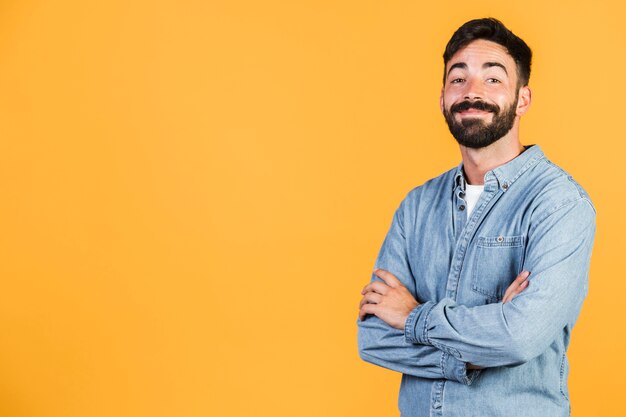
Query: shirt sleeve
[
  {"x": 386, "y": 346},
  {"x": 557, "y": 256}
]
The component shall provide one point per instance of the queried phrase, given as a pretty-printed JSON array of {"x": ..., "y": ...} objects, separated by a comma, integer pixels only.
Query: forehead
[{"x": 478, "y": 52}]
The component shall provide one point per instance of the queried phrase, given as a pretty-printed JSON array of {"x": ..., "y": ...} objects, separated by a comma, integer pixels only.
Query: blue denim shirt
[{"x": 531, "y": 216}]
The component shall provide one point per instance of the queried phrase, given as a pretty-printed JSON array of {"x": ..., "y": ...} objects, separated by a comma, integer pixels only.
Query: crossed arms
[
  {"x": 392, "y": 302},
  {"x": 439, "y": 339}
]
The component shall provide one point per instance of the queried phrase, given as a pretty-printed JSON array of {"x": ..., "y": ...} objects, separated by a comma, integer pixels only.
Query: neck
[{"x": 477, "y": 162}]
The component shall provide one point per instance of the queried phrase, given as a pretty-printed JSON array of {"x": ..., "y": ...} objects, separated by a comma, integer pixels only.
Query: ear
[
  {"x": 523, "y": 103},
  {"x": 441, "y": 100}
]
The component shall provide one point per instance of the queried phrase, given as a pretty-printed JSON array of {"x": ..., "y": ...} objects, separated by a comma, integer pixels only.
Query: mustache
[{"x": 478, "y": 105}]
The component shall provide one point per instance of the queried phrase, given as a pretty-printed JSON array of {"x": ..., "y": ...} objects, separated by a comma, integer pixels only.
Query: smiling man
[{"x": 484, "y": 270}]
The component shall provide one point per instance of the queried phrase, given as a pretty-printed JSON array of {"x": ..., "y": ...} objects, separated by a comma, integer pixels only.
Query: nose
[{"x": 473, "y": 89}]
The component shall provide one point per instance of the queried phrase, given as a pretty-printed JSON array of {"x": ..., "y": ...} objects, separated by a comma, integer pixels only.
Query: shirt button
[
  {"x": 436, "y": 404},
  {"x": 461, "y": 207},
  {"x": 505, "y": 186},
  {"x": 461, "y": 194},
  {"x": 500, "y": 239}
]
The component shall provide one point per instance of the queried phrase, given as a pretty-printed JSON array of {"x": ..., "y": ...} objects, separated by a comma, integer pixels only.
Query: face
[{"x": 480, "y": 99}]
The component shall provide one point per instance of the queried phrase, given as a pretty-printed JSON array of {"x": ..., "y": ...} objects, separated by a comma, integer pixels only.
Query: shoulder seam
[{"x": 560, "y": 206}]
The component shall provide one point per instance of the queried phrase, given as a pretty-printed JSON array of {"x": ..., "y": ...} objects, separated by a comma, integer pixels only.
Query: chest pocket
[{"x": 497, "y": 263}]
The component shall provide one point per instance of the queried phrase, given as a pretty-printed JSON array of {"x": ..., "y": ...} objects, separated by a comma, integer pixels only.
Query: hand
[{"x": 389, "y": 300}]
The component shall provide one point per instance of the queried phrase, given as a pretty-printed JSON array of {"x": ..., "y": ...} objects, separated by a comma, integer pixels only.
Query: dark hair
[{"x": 492, "y": 30}]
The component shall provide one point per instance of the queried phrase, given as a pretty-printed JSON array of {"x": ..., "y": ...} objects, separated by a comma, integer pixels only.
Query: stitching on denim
[
  {"x": 506, "y": 242},
  {"x": 449, "y": 350},
  {"x": 561, "y": 380},
  {"x": 409, "y": 327},
  {"x": 426, "y": 321},
  {"x": 529, "y": 164},
  {"x": 486, "y": 293},
  {"x": 442, "y": 363},
  {"x": 534, "y": 160},
  {"x": 555, "y": 209},
  {"x": 581, "y": 192}
]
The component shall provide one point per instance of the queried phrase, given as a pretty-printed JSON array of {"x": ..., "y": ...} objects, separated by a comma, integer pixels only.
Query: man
[{"x": 484, "y": 270}]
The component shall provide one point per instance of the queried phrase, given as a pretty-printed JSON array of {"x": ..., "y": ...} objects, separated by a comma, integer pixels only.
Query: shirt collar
[{"x": 506, "y": 174}]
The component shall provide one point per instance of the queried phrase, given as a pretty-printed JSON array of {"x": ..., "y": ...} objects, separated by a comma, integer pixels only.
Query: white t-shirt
[{"x": 472, "y": 194}]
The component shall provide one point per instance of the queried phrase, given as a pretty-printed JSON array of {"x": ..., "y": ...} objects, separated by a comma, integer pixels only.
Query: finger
[
  {"x": 516, "y": 283},
  {"x": 367, "y": 309},
  {"x": 370, "y": 297},
  {"x": 388, "y": 277},
  {"x": 376, "y": 286},
  {"x": 514, "y": 286},
  {"x": 517, "y": 286},
  {"x": 368, "y": 287},
  {"x": 518, "y": 290},
  {"x": 512, "y": 291}
]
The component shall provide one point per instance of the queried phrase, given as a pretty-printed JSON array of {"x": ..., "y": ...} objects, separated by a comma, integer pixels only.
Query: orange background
[{"x": 193, "y": 194}]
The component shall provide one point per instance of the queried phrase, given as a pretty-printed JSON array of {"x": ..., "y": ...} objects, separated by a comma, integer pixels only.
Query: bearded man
[{"x": 484, "y": 270}]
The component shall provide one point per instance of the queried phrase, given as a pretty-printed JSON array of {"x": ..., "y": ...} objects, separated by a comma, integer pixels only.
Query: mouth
[
  {"x": 473, "y": 109},
  {"x": 473, "y": 112}
]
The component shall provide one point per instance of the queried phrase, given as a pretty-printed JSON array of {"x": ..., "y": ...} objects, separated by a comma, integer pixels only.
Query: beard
[{"x": 472, "y": 132}]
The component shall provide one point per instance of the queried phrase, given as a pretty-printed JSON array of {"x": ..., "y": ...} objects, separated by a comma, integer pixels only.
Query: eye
[
  {"x": 456, "y": 80},
  {"x": 493, "y": 81}
]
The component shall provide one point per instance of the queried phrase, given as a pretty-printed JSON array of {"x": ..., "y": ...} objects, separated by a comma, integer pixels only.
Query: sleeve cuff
[
  {"x": 416, "y": 324},
  {"x": 455, "y": 370}
]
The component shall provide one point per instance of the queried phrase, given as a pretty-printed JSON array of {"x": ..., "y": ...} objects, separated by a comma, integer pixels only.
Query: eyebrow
[
  {"x": 460, "y": 65},
  {"x": 463, "y": 66},
  {"x": 495, "y": 64}
]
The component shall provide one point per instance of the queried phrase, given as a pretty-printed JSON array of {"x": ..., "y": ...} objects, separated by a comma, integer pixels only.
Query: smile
[{"x": 473, "y": 112}]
